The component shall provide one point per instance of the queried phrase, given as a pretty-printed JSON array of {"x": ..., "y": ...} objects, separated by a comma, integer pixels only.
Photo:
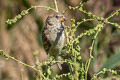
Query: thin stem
[
  {"x": 47, "y": 7},
  {"x": 112, "y": 15},
  {"x": 91, "y": 57},
  {"x": 91, "y": 51},
  {"x": 56, "y": 5},
  {"x": 83, "y": 21},
  {"x": 22, "y": 75},
  {"x": 25, "y": 12},
  {"x": 10, "y": 57}
]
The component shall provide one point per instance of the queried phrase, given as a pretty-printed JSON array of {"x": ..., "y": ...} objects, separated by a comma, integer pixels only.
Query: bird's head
[{"x": 60, "y": 17}]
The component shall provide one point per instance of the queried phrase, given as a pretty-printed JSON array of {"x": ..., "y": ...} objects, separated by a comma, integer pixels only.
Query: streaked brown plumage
[{"x": 53, "y": 34}]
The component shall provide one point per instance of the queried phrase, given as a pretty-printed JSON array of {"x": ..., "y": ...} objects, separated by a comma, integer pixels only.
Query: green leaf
[{"x": 112, "y": 62}]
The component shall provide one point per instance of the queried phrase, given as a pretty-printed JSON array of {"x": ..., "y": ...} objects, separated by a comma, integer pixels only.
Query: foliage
[{"x": 78, "y": 69}]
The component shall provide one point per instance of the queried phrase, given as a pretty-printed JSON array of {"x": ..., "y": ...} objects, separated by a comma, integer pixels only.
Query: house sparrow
[{"x": 53, "y": 35}]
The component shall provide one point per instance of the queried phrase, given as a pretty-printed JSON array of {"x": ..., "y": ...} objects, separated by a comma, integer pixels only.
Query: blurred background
[{"x": 23, "y": 38}]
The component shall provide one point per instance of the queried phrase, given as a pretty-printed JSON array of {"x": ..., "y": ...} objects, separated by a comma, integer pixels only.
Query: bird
[{"x": 53, "y": 35}]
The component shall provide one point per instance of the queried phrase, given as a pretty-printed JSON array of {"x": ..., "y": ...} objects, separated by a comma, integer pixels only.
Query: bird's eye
[{"x": 57, "y": 16}]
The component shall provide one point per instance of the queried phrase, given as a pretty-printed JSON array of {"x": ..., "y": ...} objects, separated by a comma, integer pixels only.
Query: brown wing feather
[{"x": 46, "y": 43}]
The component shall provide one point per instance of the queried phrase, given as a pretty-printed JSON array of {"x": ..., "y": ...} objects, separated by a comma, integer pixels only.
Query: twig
[
  {"x": 56, "y": 5},
  {"x": 10, "y": 57}
]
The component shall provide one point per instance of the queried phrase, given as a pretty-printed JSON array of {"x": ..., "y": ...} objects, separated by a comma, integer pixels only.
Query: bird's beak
[{"x": 62, "y": 19}]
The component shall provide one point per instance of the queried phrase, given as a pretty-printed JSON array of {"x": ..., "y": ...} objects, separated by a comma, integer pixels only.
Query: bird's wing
[{"x": 45, "y": 41}]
